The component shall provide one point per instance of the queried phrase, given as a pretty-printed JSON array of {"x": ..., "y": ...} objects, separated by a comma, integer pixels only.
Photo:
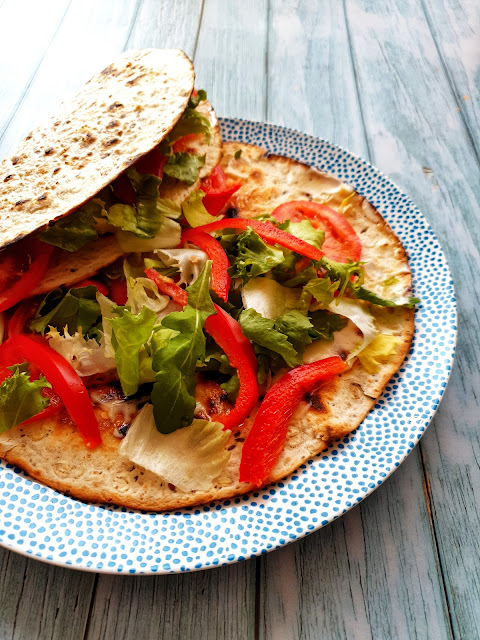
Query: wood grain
[
  {"x": 216, "y": 604},
  {"x": 41, "y": 602},
  {"x": 386, "y": 79},
  {"x": 431, "y": 156}
]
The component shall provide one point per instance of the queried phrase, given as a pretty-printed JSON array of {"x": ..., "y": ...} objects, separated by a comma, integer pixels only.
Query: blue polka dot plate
[{"x": 44, "y": 524}]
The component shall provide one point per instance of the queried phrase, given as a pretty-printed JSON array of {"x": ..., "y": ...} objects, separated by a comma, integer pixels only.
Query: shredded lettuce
[
  {"x": 86, "y": 355},
  {"x": 378, "y": 351},
  {"x": 184, "y": 166},
  {"x": 168, "y": 236},
  {"x": 359, "y": 315},
  {"x": 20, "y": 397},
  {"x": 173, "y": 391},
  {"x": 187, "y": 262},
  {"x": 191, "y": 122},
  {"x": 266, "y": 333},
  {"x": 362, "y": 293},
  {"x": 195, "y": 213},
  {"x": 268, "y": 298},
  {"x": 325, "y": 324},
  {"x": 305, "y": 231},
  {"x": 70, "y": 310},
  {"x": 75, "y": 230},
  {"x": 189, "y": 458},
  {"x": 254, "y": 256},
  {"x": 129, "y": 333}
]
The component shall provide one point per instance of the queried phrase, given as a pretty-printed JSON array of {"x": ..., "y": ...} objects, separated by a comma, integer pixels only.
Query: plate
[{"x": 44, "y": 524}]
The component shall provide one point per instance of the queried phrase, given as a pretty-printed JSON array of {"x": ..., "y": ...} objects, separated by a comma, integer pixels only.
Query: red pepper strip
[
  {"x": 228, "y": 335},
  {"x": 64, "y": 380},
  {"x": 214, "y": 250},
  {"x": 9, "y": 360},
  {"x": 268, "y": 232},
  {"x": 18, "y": 320},
  {"x": 54, "y": 407},
  {"x": 123, "y": 190},
  {"x": 184, "y": 143},
  {"x": 341, "y": 242},
  {"x": 39, "y": 253},
  {"x": 266, "y": 440},
  {"x": 102, "y": 288},
  {"x": 118, "y": 291},
  {"x": 153, "y": 163},
  {"x": 168, "y": 287},
  {"x": 217, "y": 192}
]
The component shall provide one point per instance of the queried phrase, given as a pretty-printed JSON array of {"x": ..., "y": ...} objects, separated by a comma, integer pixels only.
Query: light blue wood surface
[{"x": 398, "y": 82}]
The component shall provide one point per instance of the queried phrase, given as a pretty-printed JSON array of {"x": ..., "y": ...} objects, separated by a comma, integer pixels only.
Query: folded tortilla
[{"x": 53, "y": 453}]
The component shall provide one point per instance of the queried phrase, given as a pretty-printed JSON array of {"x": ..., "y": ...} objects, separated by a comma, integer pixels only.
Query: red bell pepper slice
[
  {"x": 341, "y": 242},
  {"x": 266, "y": 440},
  {"x": 118, "y": 291},
  {"x": 227, "y": 333},
  {"x": 268, "y": 232},
  {"x": 217, "y": 191},
  {"x": 168, "y": 287},
  {"x": 123, "y": 190},
  {"x": 64, "y": 380},
  {"x": 152, "y": 163},
  {"x": 220, "y": 278},
  {"x": 18, "y": 320},
  {"x": 102, "y": 288},
  {"x": 39, "y": 253},
  {"x": 184, "y": 143},
  {"x": 54, "y": 407}
]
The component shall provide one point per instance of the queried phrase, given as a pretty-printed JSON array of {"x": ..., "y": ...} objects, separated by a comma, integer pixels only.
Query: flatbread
[
  {"x": 54, "y": 454},
  {"x": 68, "y": 268},
  {"x": 118, "y": 116}
]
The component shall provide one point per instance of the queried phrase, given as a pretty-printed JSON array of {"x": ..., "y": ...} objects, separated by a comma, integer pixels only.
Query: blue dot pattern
[{"x": 45, "y": 524}]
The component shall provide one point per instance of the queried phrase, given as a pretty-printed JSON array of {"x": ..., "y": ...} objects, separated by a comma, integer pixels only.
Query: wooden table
[{"x": 396, "y": 81}]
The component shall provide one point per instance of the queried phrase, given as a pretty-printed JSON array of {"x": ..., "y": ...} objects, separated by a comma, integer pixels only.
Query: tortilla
[
  {"x": 69, "y": 268},
  {"x": 120, "y": 114},
  {"x": 53, "y": 453}
]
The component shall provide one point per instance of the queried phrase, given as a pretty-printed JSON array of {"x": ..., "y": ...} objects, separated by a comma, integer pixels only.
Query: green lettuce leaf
[
  {"x": 254, "y": 256},
  {"x": 68, "y": 309},
  {"x": 297, "y": 328},
  {"x": 324, "y": 324},
  {"x": 194, "y": 101},
  {"x": 305, "y": 231},
  {"x": 144, "y": 219},
  {"x": 175, "y": 363},
  {"x": 194, "y": 211},
  {"x": 263, "y": 332},
  {"x": 184, "y": 166},
  {"x": 129, "y": 333},
  {"x": 362, "y": 293},
  {"x": 342, "y": 273},
  {"x": 75, "y": 230},
  {"x": 322, "y": 289},
  {"x": 191, "y": 122},
  {"x": 20, "y": 397}
]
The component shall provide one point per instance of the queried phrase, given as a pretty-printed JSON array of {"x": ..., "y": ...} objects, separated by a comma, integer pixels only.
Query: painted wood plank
[
  {"x": 231, "y": 56},
  {"x": 90, "y": 36},
  {"x": 42, "y": 602},
  {"x": 167, "y": 25},
  {"x": 371, "y": 574},
  {"x": 361, "y": 577},
  {"x": 455, "y": 25},
  {"x": 418, "y": 136},
  {"x": 213, "y": 604},
  {"x": 218, "y": 604},
  {"x": 311, "y": 79},
  {"x": 24, "y": 46}
]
